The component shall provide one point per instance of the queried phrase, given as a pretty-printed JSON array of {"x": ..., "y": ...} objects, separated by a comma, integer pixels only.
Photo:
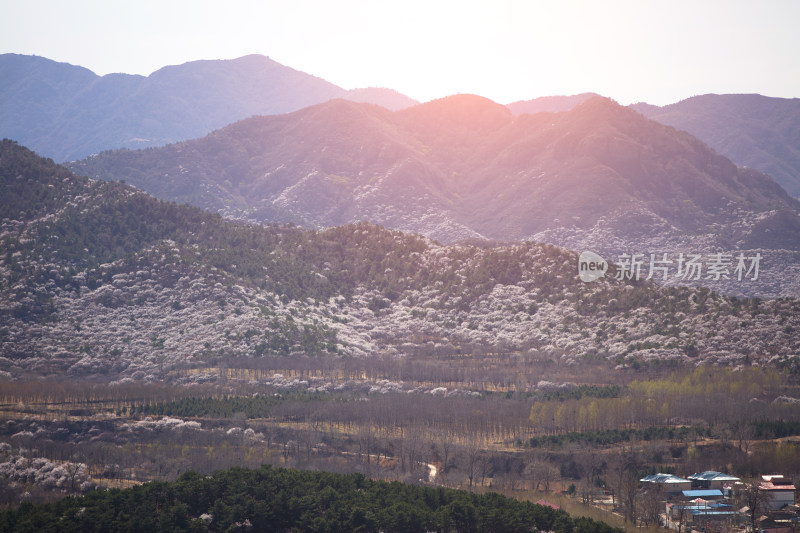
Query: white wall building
[{"x": 780, "y": 491}]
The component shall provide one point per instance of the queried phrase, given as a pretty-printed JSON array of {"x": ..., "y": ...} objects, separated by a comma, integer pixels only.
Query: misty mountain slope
[
  {"x": 67, "y": 112},
  {"x": 452, "y": 132},
  {"x": 32, "y": 94},
  {"x": 549, "y": 104},
  {"x": 601, "y": 157},
  {"x": 100, "y": 279},
  {"x": 752, "y": 130},
  {"x": 600, "y": 177},
  {"x": 388, "y": 98},
  {"x": 328, "y": 164}
]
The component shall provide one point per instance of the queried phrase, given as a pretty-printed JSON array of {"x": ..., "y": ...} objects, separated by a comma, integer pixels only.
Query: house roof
[
  {"x": 705, "y": 506},
  {"x": 711, "y": 475},
  {"x": 548, "y": 504},
  {"x": 706, "y": 512},
  {"x": 664, "y": 478},
  {"x": 773, "y": 487},
  {"x": 702, "y": 493},
  {"x": 777, "y": 479}
]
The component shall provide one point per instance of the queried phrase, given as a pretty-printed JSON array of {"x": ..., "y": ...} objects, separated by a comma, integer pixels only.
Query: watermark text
[{"x": 675, "y": 266}]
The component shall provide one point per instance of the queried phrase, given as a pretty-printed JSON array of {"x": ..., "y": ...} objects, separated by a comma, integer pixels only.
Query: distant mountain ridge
[
  {"x": 600, "y": 176},
  {"x": 752, "y": 130},
  {"x": 67, "y": 112}
]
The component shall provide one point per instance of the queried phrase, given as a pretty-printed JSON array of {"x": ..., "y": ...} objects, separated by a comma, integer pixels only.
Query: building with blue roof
[{"x": 706, "y": 494}]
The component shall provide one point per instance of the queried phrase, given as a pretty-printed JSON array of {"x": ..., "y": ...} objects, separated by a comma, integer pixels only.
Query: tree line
[{"x": 281, "y": 500}]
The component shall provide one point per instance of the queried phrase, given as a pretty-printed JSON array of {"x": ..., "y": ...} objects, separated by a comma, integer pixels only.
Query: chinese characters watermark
[{"x": 666, "y": 266}]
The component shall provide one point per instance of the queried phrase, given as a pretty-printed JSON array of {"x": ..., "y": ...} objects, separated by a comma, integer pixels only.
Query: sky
[{"x": 658, "y": 52}]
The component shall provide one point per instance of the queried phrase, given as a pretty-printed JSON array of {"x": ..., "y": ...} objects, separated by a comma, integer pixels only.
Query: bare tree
[
  {"x": 470, "y": 457},
  {"x": 484, "y": 465},
  {"x": 744, "y": 434},
  {"x": 74, "y": 471},
  {"x": 412, "y": 446},
  {"x": 444, "y": 448},
  {"x": 626, "y": 468},
  {"x": 755, "y": 499},
  {"x": 538, "y": 471},
  {"x": 366, "y": 443},
  {"x": 650, "y": 505},
  {"x": 513, "y": 472},
  {"x": 548, "y": 475},
  {"x": 682, "y": 516},
  {"x": 592, "y": 464},
  {"x": 586, "y": 492},
  {"x": 723, "y": 433}
]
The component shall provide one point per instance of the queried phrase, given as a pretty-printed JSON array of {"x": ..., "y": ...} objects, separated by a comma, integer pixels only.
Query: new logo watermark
[
  {"x": 666, "y": 266},
  {"x": 591, "y": 266}
]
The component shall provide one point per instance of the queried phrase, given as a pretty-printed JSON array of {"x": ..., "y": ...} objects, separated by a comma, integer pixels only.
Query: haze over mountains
[
  {"x": 578, "y": 171},
  {"x": 752, "y": 130},
  {"x": 67, "y": 112},
  {"x": 600, "y": 176},
  {"x": 549, "y": 104}
]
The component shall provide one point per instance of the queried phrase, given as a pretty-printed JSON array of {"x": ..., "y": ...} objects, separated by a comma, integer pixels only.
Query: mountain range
[
  {"x": 351, "y": 270},
  {"x": 67, "y": 112},
  {"x": 100, "y": 279},
  {"x": 600, "y": 176},
  {"x": 577, "y": 171}
]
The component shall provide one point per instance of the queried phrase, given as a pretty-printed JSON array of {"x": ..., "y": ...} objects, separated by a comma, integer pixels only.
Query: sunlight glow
[{"x": 626, "y": 49}]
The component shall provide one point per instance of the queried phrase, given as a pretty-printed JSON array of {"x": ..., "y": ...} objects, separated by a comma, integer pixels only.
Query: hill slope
[
  {"x": 600, "y": 176},
  {"x": 67, "y": 112},
  {"x": 752, "y": 130},
  {"x": 102, "y": 280}
]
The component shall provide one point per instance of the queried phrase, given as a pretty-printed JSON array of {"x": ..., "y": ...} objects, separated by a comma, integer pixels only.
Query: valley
[
  {"x": 520, "y": 427},
  {"x": 143, "y": 339},
  {"x": 356, "y": 306}
]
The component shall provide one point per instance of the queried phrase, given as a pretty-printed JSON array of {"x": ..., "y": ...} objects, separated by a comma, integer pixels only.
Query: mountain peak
[
  {"x": 602, "y": 115},
  {"x": 462, "y": 104},
  {"x": 460, "y": 112},
  {"x": 600, "y": 105}
]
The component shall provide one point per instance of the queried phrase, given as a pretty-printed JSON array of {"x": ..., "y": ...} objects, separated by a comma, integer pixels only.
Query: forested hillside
[
  {"x": 99, "y": 278},
  {"x": 141, "y": 339},
  {"x": 599, "y": 177},
  {"x": 752, "y": 130},
  {"x": 280, "y": 500}
]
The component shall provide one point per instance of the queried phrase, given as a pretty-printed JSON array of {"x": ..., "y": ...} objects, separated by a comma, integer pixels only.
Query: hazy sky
[{"x": 630, "y": 50}]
